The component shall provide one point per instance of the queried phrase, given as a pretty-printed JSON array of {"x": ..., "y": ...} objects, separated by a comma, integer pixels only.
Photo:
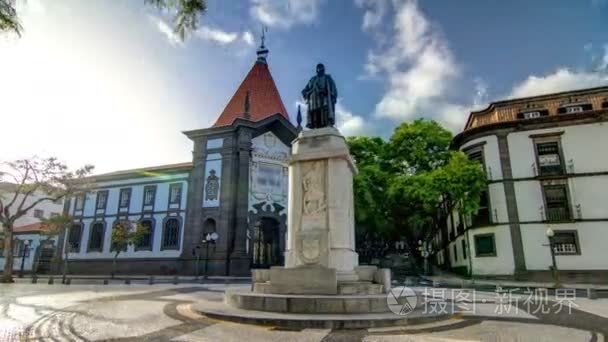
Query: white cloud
[
  {"x": 561, "y": 80},
  {"x": 216, "y": 35},
  {"x": 248, "y": 38},
  {"x": 375, "y": 10},
  {"x": 167, "y": 31},
  {"x": 206, "y": 33},
  {"x": 419, "y": 69},
  {"x": 604, "y": 60},
  {"x": 285, "y": 13}
]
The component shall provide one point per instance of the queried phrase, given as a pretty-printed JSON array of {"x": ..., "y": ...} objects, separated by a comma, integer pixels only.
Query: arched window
[
  {"x": 74, "y": 237},
  {"x": 208, "y": 226},
  {"x": 171, "y": 234},
  {"x": 147, "y": 240},
  {"x": 96, "y": 237}
]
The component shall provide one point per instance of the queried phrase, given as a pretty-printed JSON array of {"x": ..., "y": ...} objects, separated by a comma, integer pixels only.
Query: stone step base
[
  {"x": 360, "y": 288},
  {"x": 310, "y": 304}
]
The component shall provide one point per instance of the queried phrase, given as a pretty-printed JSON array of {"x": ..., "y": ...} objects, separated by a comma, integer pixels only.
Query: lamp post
[
  {"x": 26, "y": 244},
  {"x": 210, "y": 238},
  {"x": 197, "y": 252},
  {"x": 554, "y": 271}
]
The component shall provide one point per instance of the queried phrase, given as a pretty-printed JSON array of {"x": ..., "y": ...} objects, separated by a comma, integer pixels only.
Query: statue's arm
[
  {"x": 334, "y": 90},
  {"x": 306, "y": 91}
]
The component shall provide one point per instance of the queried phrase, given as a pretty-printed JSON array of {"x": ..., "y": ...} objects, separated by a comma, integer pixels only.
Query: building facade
[
  {"x": 32, "y": 245},
  {"x": 545, "y": 166},
  {"x": 235, "y": 186}
]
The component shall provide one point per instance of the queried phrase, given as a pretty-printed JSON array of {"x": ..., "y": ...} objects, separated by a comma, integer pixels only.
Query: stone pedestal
[{"x": 321, "y": 230}]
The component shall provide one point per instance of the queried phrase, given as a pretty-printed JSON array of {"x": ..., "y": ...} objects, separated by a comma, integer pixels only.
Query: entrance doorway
[
  {"x": 46, "y": 252},
  {"x": 266, "y": 244}
]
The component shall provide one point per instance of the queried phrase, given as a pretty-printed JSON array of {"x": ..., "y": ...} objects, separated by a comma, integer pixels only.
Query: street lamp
[
  {"x": 554, "y": 271},
  {"x": 197, "y": 252},
  {"x": 210, "y": 238},
  {"x": 26, "y": 245},
  {"x": 422, "y": 247}
]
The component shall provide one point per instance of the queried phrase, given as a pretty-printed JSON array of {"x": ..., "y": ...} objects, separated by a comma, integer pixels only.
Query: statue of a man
[{"x": 320, "y": 94}]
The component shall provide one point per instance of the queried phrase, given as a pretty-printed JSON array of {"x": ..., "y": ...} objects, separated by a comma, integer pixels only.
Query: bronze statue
[{"x": 321, "y": 95}]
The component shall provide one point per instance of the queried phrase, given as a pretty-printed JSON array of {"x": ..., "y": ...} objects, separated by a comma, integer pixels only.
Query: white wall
[
  {"x": 498, "y": 203},
  {"x": 529, "y": 198},
  {"x": 501, "y": 264},
  {"x": 586, "y": 146},
  {"x": 593, "y": 238},
  {"x": 490, "y": 154},
  {"x": 592, "y": 195}
]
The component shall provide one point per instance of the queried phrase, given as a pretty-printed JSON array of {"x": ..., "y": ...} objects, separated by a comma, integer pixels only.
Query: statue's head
[{"x": 320, "y": 69}]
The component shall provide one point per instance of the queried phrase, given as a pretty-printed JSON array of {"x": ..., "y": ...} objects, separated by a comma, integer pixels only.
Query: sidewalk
[
  {"x": 158, "y": 279},
  {"x": 457, "y": 281}
]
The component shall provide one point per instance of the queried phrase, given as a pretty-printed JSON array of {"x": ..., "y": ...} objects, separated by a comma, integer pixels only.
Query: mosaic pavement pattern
[{"x": 139, "y": 312}]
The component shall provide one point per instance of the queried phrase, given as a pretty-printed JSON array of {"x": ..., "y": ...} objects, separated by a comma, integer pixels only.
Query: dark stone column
[
  {"x": 239, "y": 258},
  {"x": 192, "y": 223},
  {"x": 511, "y": 200}
]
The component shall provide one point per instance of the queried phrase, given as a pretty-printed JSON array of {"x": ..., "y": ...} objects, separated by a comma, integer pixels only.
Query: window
[
  {"x": 464, "y": 249},
  {"x": 565, "y": 243},
  {"x": 18, "y": 248},
  {"x": 556, "y": 200},
  {"x": 38, "y": 213},
  {"x": 574, "y": 108},
  {"x": 484, "y": 245},
  {"x": 79, "y": 205},
  {"x": 102, "y": 199},
  {"x": 96, "y": 237},
  {"x": 124, "y": 198},
  {"x": 455, "y": 248},
  {"x": 533, "y": 114},
  {"x": 175, "y": 193},
  {"x": 171, "y": 234},
  {"x": 74, "y": 238},
  {"x": 149, "y": 195},
  {"x": 549, "y": 158},
  {"x": 55, "y": 214},
  {"x": 147, "y": 239}
]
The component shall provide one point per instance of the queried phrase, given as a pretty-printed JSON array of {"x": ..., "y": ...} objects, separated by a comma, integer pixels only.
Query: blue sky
[{"x": 106, "y": 82}]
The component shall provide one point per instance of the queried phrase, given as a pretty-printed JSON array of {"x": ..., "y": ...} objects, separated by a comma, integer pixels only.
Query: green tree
[
  {"x": 124, "y": 234},
  {"x": 28, "y": 183},
  {"x": 407, "y": 186},
  {"x": 185, "y": 20},
  {"x": 8, "y": 18}
]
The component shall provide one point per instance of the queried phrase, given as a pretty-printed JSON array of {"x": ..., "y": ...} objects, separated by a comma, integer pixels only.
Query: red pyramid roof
[{"x": 264, "y": 98}]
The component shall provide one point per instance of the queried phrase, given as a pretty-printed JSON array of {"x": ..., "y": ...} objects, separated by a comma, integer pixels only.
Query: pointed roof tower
[{"x": 257, "y": 97}]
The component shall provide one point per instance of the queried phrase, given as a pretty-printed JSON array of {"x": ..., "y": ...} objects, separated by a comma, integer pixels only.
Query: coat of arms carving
[{"x": 212, "y": 187}]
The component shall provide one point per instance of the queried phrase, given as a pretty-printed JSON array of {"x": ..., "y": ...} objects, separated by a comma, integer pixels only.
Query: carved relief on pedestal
[{"x": 314, "y": 200}]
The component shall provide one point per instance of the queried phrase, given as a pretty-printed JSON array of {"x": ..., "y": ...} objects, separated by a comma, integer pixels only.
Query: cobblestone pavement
[{"x": 40, "y": 312}]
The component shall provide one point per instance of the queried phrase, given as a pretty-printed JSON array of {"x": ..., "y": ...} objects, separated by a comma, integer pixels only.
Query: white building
[
  {"x": 29, "y": 238},
  {"x": 546, "y": 167}
]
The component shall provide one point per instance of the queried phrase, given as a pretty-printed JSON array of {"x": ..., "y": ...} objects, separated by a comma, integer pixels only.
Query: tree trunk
[
  {"x": 7, "y": 275},
  {"x": 114, "y": 264},
  {"x": 66, "y": 250}
]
